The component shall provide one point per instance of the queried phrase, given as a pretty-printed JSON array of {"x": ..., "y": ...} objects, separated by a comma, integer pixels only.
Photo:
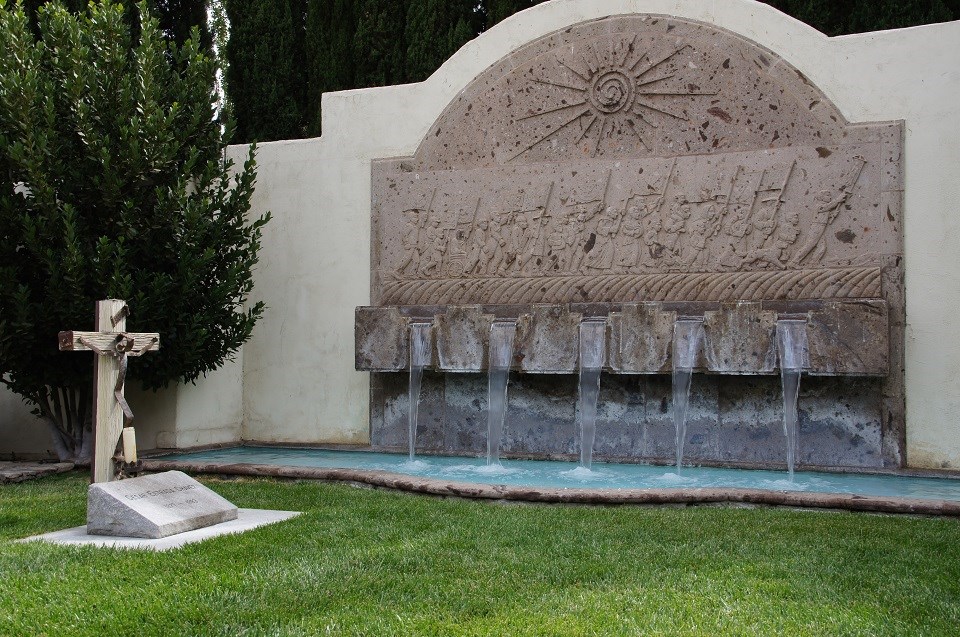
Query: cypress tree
[
  {"x": 460, "y": 34},
  {"x": 840, "y": 18},
  {"x": 178, "y": 17},
  {"x": 499, "y": 10},
  {"x": 466, "y": 21},
  {"x": 330, "y": 29},
  {"x": 378, "y": 46},
  {"x": 428, "y": 37},
  {"x": 264, "y": 78}
]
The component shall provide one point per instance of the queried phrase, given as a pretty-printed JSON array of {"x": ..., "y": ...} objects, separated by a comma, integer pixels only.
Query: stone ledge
[
  {"x": 21, "y": 471},
  {"x": 845, "y": 337},
  {"x": 446, "y": 488}
]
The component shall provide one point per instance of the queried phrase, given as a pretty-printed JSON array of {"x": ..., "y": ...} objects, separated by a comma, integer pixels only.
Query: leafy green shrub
[{"x": 116, "y": 187}]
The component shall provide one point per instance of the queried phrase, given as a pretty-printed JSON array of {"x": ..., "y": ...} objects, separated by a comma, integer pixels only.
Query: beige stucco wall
[
  {"x": 21, "y": 435},
  {"x": 210, "y": 412},
  {"x": 299, "y": 380}
]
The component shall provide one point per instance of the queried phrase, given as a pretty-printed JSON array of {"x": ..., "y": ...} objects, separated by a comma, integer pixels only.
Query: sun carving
[{"x": 607, "y": 91}]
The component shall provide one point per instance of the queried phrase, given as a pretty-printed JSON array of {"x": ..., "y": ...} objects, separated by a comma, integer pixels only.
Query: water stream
[
  {"x": 792, "y": 351},
  {"x": 501, "y": 357},
  {"x": 687, "y": 336},
  {"x": 420, "y": 350},
  {"x": 592, "y": 350}
]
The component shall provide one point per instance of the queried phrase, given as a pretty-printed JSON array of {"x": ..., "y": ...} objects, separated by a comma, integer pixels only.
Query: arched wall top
[{"x": 630, "y": 86}]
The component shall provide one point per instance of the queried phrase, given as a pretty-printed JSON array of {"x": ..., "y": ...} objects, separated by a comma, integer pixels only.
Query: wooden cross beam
[{"x": 113, "y": 344}]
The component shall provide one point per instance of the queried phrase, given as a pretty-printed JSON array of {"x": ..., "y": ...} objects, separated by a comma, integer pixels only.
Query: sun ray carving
[{"x": 617, "y": 93}]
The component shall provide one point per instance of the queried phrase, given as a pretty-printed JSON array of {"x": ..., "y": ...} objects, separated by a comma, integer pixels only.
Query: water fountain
[
  {"x": 793, "y": 356},
  {"x": 592, "y": 350},
  {"x": 420, "y": 354},
  {"x": 502, "y": 334},
  {"x": 517, "y": 206},
  {"x": 687, "y": 335}
]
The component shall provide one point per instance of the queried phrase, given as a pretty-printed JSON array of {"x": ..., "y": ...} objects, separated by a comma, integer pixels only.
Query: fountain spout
[
  {"x": 592, "y": 359},
  {"x": 793, "y": 354},
  {"x": 687, "y": 337},
  {"x": 420, "y": 355},
  {"x": 502, "y": 335}
]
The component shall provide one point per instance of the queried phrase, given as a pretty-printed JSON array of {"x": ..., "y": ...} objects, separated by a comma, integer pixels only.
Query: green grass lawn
[{"x": 381, "y": 563}]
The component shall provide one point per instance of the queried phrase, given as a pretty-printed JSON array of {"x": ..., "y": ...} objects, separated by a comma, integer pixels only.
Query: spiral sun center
[{"x": 611, "y": 91}]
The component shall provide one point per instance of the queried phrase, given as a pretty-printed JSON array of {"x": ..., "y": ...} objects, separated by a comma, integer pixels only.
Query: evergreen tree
[
  {"x": 465, "y": 23},
  {"x": 265, "y": 76},
  {"x": 460, "y": 34},
  {"x": 499, "y": 10},
  {"x": 178, "y": 17},
  {"x": 378, "y": 46},
  {"x": 329, "y": 49},
  {"x": 427, "y": 35},
  {"x": 119, "y": 190},
  {"x": 840, "y": 18}
]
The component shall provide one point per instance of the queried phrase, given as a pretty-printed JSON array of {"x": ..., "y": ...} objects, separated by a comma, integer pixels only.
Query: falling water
[
  {"x": 501, "y": 357},
  {"x": 592, "y": 348},
  {"x": 419, "y": 358},
  {"x": 792, "y": 350},
  {"x": 687, "y": 335}
]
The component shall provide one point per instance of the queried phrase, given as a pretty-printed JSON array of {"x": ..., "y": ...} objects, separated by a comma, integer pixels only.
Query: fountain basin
[{"x": 564, "y": 482}]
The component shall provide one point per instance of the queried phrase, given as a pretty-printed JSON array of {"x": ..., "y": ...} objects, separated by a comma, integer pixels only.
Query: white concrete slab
[{"x": 246, "y": 520}]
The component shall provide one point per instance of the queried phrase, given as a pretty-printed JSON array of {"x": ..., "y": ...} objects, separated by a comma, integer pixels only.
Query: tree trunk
[{"x": 67, "y": 413}]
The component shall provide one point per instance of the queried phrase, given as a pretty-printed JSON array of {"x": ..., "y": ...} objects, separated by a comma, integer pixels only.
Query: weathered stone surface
[
  {"x": 154, "y": 506},
  {"x": 840, "y": 422},
  {"x": 547, "y": 340},
  {"x": 382, "y": 339},
  {"x": 21, "y": 471},
  {"x": 614, "y": 326},
  {"x": 462, "y": 338},
  {"x": 646, "y": 332},
  {"x": 731, "y": 419},
  {"x": 739, "y": 339},
  {"x": 751, "y": 420},
  {"x": 849, "y": 338}
]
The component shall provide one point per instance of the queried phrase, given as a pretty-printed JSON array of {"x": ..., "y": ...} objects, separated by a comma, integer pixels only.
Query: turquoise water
[{"x": 541, "y": 473}]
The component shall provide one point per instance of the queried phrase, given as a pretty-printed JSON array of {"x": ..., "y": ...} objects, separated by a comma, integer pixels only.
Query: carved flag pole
[{"x": 112, "y": 344}]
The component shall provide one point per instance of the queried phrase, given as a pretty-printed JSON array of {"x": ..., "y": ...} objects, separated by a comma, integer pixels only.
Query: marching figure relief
[{"x": 727, "y": 221}]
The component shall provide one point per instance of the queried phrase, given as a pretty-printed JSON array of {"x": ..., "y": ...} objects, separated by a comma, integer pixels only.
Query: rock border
[
  {"x": 446, "y": 488},
  {"x": 11, "y": 472}
]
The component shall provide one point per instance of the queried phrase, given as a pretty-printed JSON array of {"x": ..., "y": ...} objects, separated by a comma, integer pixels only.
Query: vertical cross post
[
  {"x": 107, "y": 414},
  {"x": 113, "y": 345}
]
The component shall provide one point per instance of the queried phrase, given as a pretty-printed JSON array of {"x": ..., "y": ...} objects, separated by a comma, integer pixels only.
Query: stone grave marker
[{"x": 154, "y": 506}]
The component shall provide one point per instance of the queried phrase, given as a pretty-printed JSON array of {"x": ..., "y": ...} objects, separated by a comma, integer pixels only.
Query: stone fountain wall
[{"x": 642, "y": 168}]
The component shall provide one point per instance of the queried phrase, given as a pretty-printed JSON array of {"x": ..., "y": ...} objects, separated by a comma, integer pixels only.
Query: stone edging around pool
[{"x": 700, "y": 495}]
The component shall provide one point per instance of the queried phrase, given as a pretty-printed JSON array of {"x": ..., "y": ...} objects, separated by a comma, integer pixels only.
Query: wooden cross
[{"x": 113, "y": 345}]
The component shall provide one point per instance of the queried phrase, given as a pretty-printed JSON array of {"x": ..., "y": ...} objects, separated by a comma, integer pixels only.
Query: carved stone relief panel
[
  {"x": 668, "y": 229},
  {"x": 638, "y": 158}
]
